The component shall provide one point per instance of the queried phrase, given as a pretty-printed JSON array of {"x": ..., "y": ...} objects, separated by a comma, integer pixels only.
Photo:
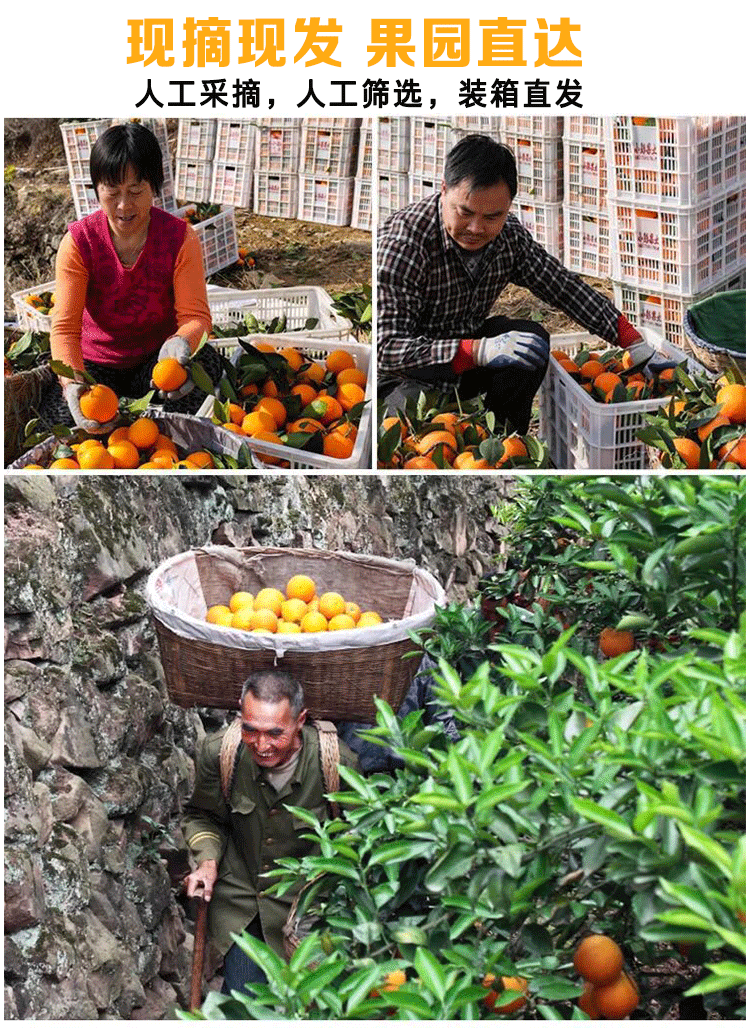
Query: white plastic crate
[
  {"x": 674, "y": 161},
  {"x": 27, "y": 317},
  {"x": 277, "y": 147},
  {"x": 539, "y": 166},
  {"x": 584, "y": 129},
  {"x": 325, "y": 199},
  {"x": 488, "y": 125},
  {"x": 546, "y": 127},
  {"x": 423, "y": 186},
  {"x": 232, "y": 185},
  {"x": 328, "y": 151},
  {"x": 298, "y": 304},
  {"x": 193, "y": 180},
  {"x": 196, "y": 139},
  {"x": 664, "y": 313},
  {"x": 583, "y": 434},
  {"x": 394, "y": 144},
  {"x": 585, "y": 177},
  {"x": 331, "y": 123},
  {"x": 544, "y": 221},
  {"x": 364, "y": 157},
  {"x": 678, "y": 250},
  {"x": 393, "y": 193},
  {"x": 587, "y": 244},
  {"x": 430, "y": 141},
  {"x": 235, "y": 142},
  {"x": 218, "y": 237},
  {"x": 362, "y": 204},
  {"x": 298, "y": 459},
  {"x": 85, "y": 200},
  {"x": 78, "y": 139},
  {"x": 276, "y": 194}
]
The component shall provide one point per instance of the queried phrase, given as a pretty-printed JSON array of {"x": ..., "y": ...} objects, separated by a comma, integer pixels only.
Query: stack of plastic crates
[
  {"x": 677, "y": 204},
  {"x": 234, "y": 156},
  {"x": 362, "y": 206},
  {"x": 276, "y": 175},
  {"x": 196, "y": 142},
  {"x": 430, "y": 140},
  {"x": 585, "y": 213},
  {"x": 305, "y": 310},
  {"x": 393, "y": 156},
  {"x": 536, "y": 142},
  {"x": 78, "y": 139},
  {"x": 327, "y": 166}
]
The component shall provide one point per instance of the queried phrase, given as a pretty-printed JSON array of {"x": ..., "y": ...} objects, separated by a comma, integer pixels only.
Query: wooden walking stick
[{"x": 199, "y": 950}]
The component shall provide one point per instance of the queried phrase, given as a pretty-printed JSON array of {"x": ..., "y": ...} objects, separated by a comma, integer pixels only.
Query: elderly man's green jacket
[{"x": 248, "y": 835}]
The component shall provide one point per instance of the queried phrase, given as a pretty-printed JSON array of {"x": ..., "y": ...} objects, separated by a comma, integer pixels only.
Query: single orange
[
  {"x": 617, "y": 999},
  {"x": 64, "y": 463},
  {"x": 269, "y": 599},
  {"x": 314, "y": 621},
  {"x": 731, "y": 398},
  {"x": 331, "y": 604},
  {"x": 352, "y": 376},
  {"x": 204, "y": 460},
  {"x": 341, "y": 623},
  {"x": 169, "y": 374},
  {"x": 99, "y": 403},
  {"x": 337, "y": 446},
  {"x": 339, "y": 360},
  {"x": 734, "y": 452},
  {"x": 293, "y": 357},
  {"x": 300, "y": 587},
  {"x": 143, "y": 432},
  {"x": 95, "y": 459},
  {"x": 241, "y": 600},
  {"x": 613, "y": 642},
  {"x": 306, "y": 393},
  {"x": 349, "y": 395},
  {"x": 598, "y": 958},
  {"x": 125, "y": 455},
  {"x": 369, "y": 618},
  {"x": 689, "y": 451},
  {"x": 258, "y": 420},
  {"x": 275, "y": 409}
]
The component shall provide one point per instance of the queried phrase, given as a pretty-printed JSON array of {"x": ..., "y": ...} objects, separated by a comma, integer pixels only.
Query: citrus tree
[{"x": 578, "y": 797}]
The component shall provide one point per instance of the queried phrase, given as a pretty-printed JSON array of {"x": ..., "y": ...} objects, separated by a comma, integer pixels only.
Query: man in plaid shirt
[{"x": 443, "y": 261}]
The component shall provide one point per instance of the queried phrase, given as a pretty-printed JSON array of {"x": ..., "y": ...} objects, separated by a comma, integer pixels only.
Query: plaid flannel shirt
[{"x": 428, "y": 301}]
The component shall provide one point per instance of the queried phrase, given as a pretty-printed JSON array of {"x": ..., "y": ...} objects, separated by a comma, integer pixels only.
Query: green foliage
[
  {"x": 356, "y": 305},
  {"x": 31, "y": 349}
]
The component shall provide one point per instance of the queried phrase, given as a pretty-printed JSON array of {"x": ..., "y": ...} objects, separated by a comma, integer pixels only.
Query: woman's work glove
[
  {"x": 72, "y": 392},
  {"x": 176, "y": 348}
]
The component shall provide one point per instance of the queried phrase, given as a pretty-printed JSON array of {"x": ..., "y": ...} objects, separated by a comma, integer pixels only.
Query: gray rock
[
  {"x": 24, "y": 892},
  {"x": 91, "y": 824},
  {"x": 160, "y": 1002},
  {"x": 73, "y": 742}
]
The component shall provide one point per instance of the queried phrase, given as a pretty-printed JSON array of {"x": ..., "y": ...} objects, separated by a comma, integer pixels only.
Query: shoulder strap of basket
[{"x": 328, "y": 741}]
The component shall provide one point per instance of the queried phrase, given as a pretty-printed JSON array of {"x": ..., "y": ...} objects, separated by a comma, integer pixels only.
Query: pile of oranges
[
  {"x": 605, "y": 376},
  {"x": 301, "y": 404},
  {"x": 609, "y": 992},
  {"x": 300, "y": 610},
  {"x": 138, "y": 445},
  {"x": 447, "y": 440},
  {"x": 706, "y": 427},
  {"x": 42, "y": 302}
]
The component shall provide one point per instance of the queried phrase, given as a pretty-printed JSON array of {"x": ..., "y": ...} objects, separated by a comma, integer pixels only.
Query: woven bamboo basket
[
  {"x": 23, "y": 393},
  {"x": 341, "y": 672},
  {"x": 713, "y": 357}
]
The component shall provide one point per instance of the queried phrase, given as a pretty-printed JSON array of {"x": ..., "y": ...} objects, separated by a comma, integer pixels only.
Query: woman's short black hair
[
  {"x": 129, "y": 143},
  {"x": 483, "y": 162}
]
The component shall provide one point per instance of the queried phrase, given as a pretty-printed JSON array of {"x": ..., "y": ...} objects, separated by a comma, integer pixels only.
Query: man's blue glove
[{"x": 513, "y": 348}]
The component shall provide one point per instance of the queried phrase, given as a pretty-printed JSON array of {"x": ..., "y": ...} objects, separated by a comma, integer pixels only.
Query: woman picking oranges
[{"x": 130, "y": 294}]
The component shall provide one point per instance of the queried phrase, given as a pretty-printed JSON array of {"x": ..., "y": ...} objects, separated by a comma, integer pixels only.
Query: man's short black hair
[
  {"x": 127, "y": 144},
  {"x": 483, "y": 162},
  {"x": 273, "y": 686}
]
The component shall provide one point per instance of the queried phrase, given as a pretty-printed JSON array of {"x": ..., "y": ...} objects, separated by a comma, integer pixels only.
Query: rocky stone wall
[{"x": 97, "y": 760}]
